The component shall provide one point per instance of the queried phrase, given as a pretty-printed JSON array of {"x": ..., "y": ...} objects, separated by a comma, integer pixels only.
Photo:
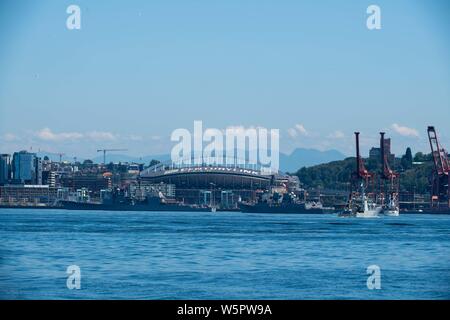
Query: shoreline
[{"x": 235, "y": 211}]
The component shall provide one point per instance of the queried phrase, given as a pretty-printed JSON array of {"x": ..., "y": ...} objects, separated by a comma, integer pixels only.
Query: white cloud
[
  {"x": 8, "y": 137},
  {"x": 47, "y": 135},
  {"x": 301, "y": 129},
  {"x": 100, "y": 136},
  {"x": 292, "y": 132},
  {"x": 336, "y": 135},
  {"x": 134, "y": 137},
  {"x": 405, "y": 131}
]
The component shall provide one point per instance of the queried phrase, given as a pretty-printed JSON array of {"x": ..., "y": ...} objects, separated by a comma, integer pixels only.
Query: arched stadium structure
[{"x": 213, "y": 184}]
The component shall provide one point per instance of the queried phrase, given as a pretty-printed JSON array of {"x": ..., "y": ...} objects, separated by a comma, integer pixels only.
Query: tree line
[{"x": 415, "y": 172}]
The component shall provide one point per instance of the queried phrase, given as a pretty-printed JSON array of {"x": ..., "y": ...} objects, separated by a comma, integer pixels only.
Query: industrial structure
[
  {"x": 25, "y": 179},
  {"x": 215, "y": 185},
  {"x": 361, "y": 174},
  {"x": 440, "y": 182},
  {"x": 389, "y": 183},
  {"x": 372, "y": 194}
]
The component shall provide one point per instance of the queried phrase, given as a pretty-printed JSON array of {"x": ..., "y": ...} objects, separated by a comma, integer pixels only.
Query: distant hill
[
  {"x": 337, "y": 174},
  {"x": 301, "y": 157}
]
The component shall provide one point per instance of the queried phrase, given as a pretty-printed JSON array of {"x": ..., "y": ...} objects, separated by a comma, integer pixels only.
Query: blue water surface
[{"x": 153, "y": 255}]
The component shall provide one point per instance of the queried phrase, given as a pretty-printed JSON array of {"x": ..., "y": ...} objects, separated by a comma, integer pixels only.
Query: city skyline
[
  {"x": 225, "y": 158},
  {"x": 134, "y": 74}
]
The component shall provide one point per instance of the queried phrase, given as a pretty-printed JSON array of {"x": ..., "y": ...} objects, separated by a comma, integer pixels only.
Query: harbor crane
[
  {"x": 389, "y": 180},
  {"x": 361, "y": 179},
  {"x": 361, "y": 172},
  {"x": 109, "y": 150},
  {"x": 441, "y": 174}
]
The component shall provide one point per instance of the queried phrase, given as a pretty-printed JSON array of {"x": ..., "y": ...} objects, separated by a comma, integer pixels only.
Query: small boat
[
  {"x": 392, "y": 209},
  {"x": 361, "y": 207},
  {"x": 371, "y": 210},
  {"x": 392, "y": 213}
]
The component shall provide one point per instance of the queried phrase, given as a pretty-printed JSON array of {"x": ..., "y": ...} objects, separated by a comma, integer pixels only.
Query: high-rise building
[
  {"x": 4, "y": 168},
  {"x": 375, "y": 153},
  {"x": 49, "y": 178},
  {"x": 27, "y": 168},
  {"x": 38, "y": 166}
]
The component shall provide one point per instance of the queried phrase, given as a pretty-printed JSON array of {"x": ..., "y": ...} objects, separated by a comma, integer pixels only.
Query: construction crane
[
  {"x": 60, "y": 156},
  {"x": 109, "y": 150},
  {"x": 441, "y": 176}
]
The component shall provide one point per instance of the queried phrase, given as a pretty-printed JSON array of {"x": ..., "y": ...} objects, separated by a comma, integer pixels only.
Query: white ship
[
  {"x": 392, "y": 208},
  {"x": 362, "y": 207},
  {"x": 369, "y": 210}
]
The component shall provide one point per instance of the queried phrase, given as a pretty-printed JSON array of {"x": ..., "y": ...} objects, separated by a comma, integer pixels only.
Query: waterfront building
[
  {"x": 26, "y": 168},
  {"x": 375, "y": 153},
  {"x": 5, "y": 168},
  {"x": 49, "y": 178},
  {"x": 203, "y": 184},
  {"x": 27, "y": 194},
  {"x": 92, "y": 182}
]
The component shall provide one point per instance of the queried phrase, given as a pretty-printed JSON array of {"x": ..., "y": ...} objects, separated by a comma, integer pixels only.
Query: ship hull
[
  {"x": 426, "y": 211},
  {"x": 280, "y": 209},
  {"x": 71, "y": 205}
]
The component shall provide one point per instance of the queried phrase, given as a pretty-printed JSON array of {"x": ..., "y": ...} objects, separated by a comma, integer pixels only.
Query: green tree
[
  {"x": 407, "y": 160},
  {"x": 337, "y": 175},
  {"x": 420, "y": 157},
  {"x": 110, "y": 166},
  {"x": 153, "y": 162},
  {"x": 87, "y": 163}
]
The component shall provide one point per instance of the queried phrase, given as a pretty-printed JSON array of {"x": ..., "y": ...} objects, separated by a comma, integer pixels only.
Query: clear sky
[{"x": 137, "y": 70}]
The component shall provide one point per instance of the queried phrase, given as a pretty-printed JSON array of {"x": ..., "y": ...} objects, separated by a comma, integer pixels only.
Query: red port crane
[
  {"x": 387, "y": 173},
  {"x": 441, "y": 176},
  {"x": 389, "y": 179},
  {"x": 361, "y": 172},
  {"x": 361, "y": 177}
]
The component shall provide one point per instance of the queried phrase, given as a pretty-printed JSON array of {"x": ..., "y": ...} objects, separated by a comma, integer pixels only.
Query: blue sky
[{"x": 137, "y": 70}]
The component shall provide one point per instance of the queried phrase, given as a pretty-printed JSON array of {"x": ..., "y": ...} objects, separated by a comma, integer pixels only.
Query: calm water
[{"x": 221, "y": 256}]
